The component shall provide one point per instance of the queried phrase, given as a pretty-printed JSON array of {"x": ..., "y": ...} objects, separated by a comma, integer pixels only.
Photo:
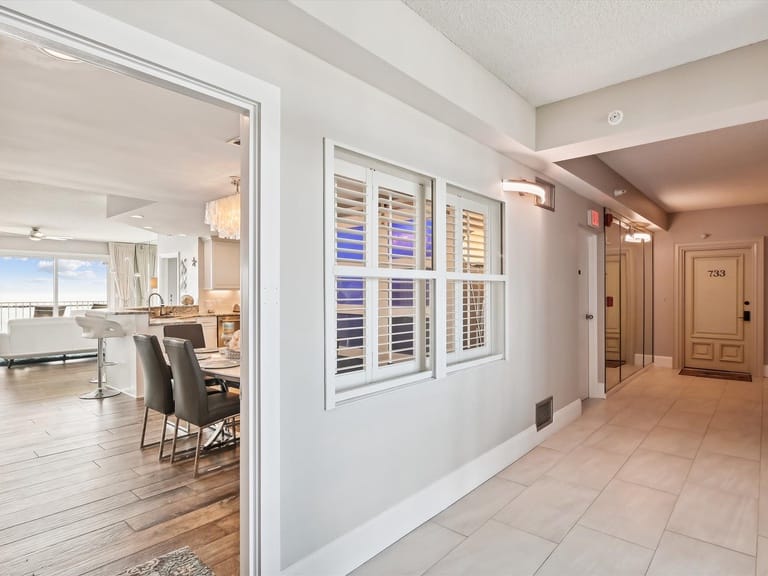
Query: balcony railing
[{"x": 13, "y": 310}]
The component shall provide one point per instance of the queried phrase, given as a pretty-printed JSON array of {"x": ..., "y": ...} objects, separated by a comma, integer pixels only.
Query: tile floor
[{"x": 667, "y": 477}]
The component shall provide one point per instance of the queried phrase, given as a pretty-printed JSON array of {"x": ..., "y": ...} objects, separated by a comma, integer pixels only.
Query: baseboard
[
  {"x": 601, "y": 394},
  {"x": 355, "y": 547},
  {"x": 643, "y": 359},
  {"x": 663, "y": 361}
]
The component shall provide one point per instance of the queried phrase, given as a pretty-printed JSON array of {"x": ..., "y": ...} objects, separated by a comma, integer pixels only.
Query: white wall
[{"x": 344, "y": 467}]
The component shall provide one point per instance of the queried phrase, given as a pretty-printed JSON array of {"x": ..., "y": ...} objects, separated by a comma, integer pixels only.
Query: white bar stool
[{"x": 99, "y": 328}]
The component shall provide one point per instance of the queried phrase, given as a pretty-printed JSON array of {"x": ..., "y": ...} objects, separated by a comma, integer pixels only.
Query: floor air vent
[{"x": 543, "y": 413}]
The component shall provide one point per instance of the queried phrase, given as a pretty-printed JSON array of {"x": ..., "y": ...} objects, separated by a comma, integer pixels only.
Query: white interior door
[{"x": 717, "y": 309}]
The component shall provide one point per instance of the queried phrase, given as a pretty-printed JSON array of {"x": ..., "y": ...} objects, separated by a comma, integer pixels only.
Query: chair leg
[
  {"x": 162, "y": 437},
  {"x": 144, "y": 428},
  {"x": 173, "y": 446},
  {"x": 197, "y": 450}
]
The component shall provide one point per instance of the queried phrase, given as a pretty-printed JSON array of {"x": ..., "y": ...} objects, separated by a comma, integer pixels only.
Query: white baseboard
[
  {"x": 355, "y": 547},
  {"x": 643, "y": 359},
  {"x": 599, "y": 394},
  {"x": 663, "y": 361}
]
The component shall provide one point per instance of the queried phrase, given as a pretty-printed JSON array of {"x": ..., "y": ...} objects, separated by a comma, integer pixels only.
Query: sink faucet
[{"x": 162, "y": 303}]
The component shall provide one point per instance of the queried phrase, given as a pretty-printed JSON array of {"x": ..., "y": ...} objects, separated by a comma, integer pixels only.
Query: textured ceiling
[
  {"x": 549, "y": 50},
  {"x": 73, "y": 133},
  {"x": 716, "y": 169}
]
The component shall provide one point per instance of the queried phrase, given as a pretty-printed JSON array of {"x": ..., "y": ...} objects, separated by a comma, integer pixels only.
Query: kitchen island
[{"x": 126, "y": 374}]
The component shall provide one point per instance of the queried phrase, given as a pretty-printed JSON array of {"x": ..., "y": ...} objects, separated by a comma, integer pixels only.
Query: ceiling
[
  {"x": 82, "y": 149},
  {"x": 716, "y": 169},
  {"x": 562, "y": 53},
  {"x": 548, "y": 50}
]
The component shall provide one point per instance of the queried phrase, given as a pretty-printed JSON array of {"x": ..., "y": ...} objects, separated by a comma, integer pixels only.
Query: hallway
[{"x": 668, "y": 476}]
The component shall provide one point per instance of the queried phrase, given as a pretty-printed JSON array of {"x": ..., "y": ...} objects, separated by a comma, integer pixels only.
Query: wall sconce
[
  {"x": 525, "y": 187},
  {"x": 637, "y": 237},
  {"x": 153, "y": 283}
]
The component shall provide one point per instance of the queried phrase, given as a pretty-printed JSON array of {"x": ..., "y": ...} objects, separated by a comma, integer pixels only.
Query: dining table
[{"x": 214, "y": 363}]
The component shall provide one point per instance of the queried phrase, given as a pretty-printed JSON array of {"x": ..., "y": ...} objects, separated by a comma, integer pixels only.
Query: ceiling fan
[{"x": 36, "y": 235}]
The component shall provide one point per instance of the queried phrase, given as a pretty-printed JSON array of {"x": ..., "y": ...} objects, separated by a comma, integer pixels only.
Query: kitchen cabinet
[
  {"x": 209, "y": 331},
  {"x": 221, "y": 264}
]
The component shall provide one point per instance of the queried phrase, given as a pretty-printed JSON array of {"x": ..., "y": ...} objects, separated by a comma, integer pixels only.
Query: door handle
[{"x": 589, "y": 316}]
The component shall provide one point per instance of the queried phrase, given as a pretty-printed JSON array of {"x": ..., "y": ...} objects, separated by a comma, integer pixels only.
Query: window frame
[{"x": 438, "y": 363}]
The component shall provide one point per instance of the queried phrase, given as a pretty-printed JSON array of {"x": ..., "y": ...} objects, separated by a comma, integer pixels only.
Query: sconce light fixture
[
  {"x": 637, "y": 237},
  {"x": 153, "y": 283},
  {"x": 525, "y": 187}
]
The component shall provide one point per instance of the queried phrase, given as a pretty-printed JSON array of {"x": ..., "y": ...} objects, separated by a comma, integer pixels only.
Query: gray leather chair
[
  {"x": 192, "y": 402},
  {"x": 158, "y": 389},
  {"x": 191, "y": 332}
]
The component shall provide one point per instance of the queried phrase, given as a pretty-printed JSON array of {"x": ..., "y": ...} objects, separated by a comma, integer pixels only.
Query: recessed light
[
  {"x": 137, "y": 216},
  {"x": 147, "y": 227},
  {"x": 59, "y": 55}
]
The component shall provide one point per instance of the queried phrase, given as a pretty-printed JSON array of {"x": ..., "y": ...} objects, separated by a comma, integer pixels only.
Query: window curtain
[
  {"x": 122, "y": 266},
  {"x": 145, "y": 266}
]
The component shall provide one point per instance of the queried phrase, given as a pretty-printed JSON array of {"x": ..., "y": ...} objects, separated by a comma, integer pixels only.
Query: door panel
[{"x": 715, "y": 337}]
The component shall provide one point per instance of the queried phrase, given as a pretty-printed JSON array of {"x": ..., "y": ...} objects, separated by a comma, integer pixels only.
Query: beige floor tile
[
  {"x": 633, "y": 418},
  {"x": 585, "y": 552},
  {"x": 740, "y": 443},
  {"x": 656, "y": 470},
  {"x": 716, "y": 517},
  {"x": 532, "y": 466},
  {"x": 548, "y": 509},
  {"x": 495, "y": 550},
  {"x": 473, "y": 510},
  {"x": 676, "y": 442},
  {"x": 698, "y": 405},
  {"x": 571, "y": 436},
  {"x": 752, "y": 391},
  {"x": 588, "y": 467},
  {"x": 727, "y": 473},
  {"x": 762, "y": 556},
  {"x": 615, "y": 439},
  {"x": 413, "y": 554},
  {"x": 679, "y": 555},
  {"x": 631, "y": 512},
  {"x": 763, "y": 509},
  {"x": 737, "y": 420},
  {"x": 683, "y": 420},
  {"x": 703, "y": 388}
]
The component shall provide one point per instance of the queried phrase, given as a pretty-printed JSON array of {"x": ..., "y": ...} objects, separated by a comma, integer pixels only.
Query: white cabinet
[
  {"x": 222, "y": 264},
  {"x": 210, "y": 329}
]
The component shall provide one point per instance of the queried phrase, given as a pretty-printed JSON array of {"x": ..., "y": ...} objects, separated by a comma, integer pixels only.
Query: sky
[{"x": 30, "y": 279}]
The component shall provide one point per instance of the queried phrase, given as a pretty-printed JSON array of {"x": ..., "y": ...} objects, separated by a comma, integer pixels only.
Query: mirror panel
[{"x": 612, "y": 300}]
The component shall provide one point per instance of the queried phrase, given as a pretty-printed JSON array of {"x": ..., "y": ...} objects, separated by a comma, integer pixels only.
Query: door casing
[{"x": 755, "y": 246}]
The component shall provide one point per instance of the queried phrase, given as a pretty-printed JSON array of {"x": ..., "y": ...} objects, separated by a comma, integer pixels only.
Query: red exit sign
[{"x": 593, "y": 218}]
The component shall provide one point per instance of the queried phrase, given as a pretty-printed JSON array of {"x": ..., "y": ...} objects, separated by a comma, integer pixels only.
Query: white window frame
[
  {"x": 373, "y": 378},
  {"x": 493, "y": 348},
  {"x": 343, "y": 388}
]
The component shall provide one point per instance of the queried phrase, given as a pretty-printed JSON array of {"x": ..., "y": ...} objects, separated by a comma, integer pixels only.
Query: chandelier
[{"x": 223, "y": 215}]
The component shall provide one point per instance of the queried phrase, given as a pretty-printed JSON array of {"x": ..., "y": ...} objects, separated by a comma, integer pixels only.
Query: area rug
[
  {"x": 181, "y": 562},
  {"x": 720, "y": 374}
]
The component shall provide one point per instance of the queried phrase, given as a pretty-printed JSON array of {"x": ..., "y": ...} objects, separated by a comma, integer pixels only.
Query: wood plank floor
[{"x": 77, "y": 496}]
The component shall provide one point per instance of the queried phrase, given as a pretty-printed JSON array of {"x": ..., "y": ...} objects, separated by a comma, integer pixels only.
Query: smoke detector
[{"x": 615, "y": 118}]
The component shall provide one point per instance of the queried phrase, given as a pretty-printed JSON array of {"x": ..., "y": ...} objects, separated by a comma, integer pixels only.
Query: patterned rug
[
  {"x": 720, "y": 374},
  {"x": 181, "y": 562}
]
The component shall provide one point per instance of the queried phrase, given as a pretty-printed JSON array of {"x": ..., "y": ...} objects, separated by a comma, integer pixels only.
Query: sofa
[{"x": 41, "y": 337}]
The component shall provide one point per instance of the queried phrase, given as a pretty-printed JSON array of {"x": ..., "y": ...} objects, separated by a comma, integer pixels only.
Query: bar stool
[{"x": 99, "y": 328}]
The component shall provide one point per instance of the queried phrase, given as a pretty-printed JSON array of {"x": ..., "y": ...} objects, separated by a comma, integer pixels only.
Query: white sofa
[{"x": 41, "y": 337}]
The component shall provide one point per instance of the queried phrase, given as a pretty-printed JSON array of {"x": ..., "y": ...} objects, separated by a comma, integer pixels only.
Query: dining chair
[
  {"x": 158, "y": 389},
  {"x": 192, "y": 332},
  {"x": 192, "y": 402}
]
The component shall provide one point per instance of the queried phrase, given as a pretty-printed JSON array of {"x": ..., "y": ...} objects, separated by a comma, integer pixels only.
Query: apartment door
[{"x": 718, "y": 308}]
